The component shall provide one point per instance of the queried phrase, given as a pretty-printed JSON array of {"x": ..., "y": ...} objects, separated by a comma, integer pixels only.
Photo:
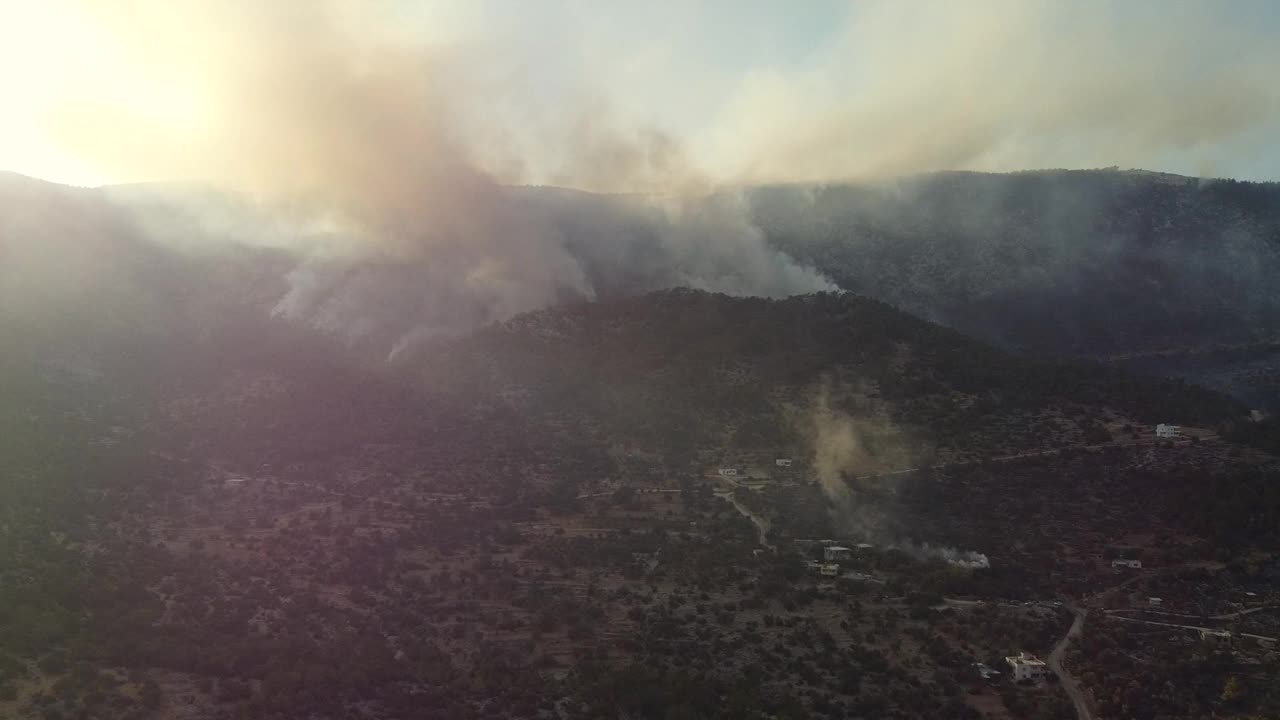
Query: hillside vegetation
[
  {"x": 1100, "y": 263},
  {"x": 690, "y": 369}
]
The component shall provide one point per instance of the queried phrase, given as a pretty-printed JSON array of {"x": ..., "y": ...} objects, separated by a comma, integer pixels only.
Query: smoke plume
[
  {"x": 404, "y": 140},
  {"x": 849, "y": 456},
  {"x": 846, "y": 452},
  {"x": 329, "y": 115},
  {"x": 1009, "y": 85},
  {"x": 970, "y": 559}
]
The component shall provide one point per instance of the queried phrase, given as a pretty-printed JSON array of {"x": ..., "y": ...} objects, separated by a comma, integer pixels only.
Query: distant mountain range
[
  {"x": 1158, "y": 273},
  {"x": 478, "y": 522}
]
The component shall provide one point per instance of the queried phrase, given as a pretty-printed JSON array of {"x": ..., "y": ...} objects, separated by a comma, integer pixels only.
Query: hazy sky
[{"x": 630, "y": 95}]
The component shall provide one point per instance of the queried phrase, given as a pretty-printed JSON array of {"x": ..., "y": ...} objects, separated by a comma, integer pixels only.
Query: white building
[
  {"x": 1132, "y": 564},
  {"x": 1215, "y": 637},
  {"x": 836, "y": 553},
  {"x": 1026, "y": 667},
  {"x": 782, "y": 462},
  {"x": 1168, "y": 431},
  {"x": 728, "y": 472}
]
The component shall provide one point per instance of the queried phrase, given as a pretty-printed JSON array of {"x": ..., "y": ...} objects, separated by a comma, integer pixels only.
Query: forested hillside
[
  {"x": 1162, "y": 274},
  {"x": 689, "y": 369},
  {"x": 1104, "y": 263},
  {"x": 519, "y": 521}
]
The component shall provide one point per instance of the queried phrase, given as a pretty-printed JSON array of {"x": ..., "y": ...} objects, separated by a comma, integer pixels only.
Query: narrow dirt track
[
  {"x": 1055, "y": 664},
  {"x": 762, "y": 524}
]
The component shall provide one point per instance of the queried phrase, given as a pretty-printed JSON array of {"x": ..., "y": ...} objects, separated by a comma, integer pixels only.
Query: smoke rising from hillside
[
  {"x": 845, "y": 448},
  {"x": 326, "y": 111},
  {"x": 405, "y": 142},
  {"x": 841, "y": 453}
]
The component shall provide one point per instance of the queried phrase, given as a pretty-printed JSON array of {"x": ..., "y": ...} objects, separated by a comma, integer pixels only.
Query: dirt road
[
  {"x": 1029, "y": 454},
  {"x": 762, "y": 524},
  {"x": 1224, "y": 616},
  {"x": 1055, "y": 664}
]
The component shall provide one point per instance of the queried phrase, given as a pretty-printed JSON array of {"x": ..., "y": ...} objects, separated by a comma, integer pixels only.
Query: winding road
[
  {"x": 1055, "y": 664},
  {"x": 762, "y": 524},
  {"x": 1223, "y": 616}
]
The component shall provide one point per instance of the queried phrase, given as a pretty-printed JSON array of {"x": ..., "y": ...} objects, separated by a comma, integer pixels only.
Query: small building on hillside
[
  {"x": 1123, "y": 563},
  {"x": 1026, "y": 667},
  {"x": 782, "y": 462},
  {"x": 728, "y": 472},
  {"x": 1155, "y": 602},
  {"x": 1215, "y": 637},
  {"x": 1168, "y": 432},
  {"x": 835, "y": 553}
]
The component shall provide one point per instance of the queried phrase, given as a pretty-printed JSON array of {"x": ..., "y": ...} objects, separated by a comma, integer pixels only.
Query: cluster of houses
[
  {"x": 757, "y": 476},
  {"x": 833, "y": 555},
  {"x": 778, "y": 464}
]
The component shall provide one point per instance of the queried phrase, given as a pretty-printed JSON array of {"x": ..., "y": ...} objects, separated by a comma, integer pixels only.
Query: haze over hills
[
  {"x": 523, "y": 511},
  {"x": 1085, "y": 262},
  {"x": 1165, "y": 274},
  {"x": 1174, "y": 273},
  {"x": 522, "y": 517},
  {"x": 649, "y": 361}
]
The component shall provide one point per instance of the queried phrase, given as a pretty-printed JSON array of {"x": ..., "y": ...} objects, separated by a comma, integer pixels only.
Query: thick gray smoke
[
  {"x": 404, "y": 142},
  {"x": 326, "y": 113},
  {"x": 541, "y": 246},
  {"x": 924, "y": 85}
]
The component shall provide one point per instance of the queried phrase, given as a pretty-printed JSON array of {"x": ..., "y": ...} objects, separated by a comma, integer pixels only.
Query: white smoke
[
  {"x": 842, "y": 461},
  {"x": 332, "y": 116},
  {"x": 958, "y": 558}
]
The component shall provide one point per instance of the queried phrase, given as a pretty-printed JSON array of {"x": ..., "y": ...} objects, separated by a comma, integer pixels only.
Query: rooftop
[{"x": 1023, "y": 658}]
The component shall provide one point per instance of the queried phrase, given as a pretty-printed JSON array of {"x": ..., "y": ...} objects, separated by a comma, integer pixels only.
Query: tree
[{"x": 1233, "y": 691}]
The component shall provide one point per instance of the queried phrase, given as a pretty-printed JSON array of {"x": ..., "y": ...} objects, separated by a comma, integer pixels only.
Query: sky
[{"x": 631, "y": 96}]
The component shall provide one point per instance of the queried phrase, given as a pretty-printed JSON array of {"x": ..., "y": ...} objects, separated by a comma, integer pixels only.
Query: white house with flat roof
[
  {"x": 1026, "y": 667},
  {"x": 1168, "y": 432}
]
